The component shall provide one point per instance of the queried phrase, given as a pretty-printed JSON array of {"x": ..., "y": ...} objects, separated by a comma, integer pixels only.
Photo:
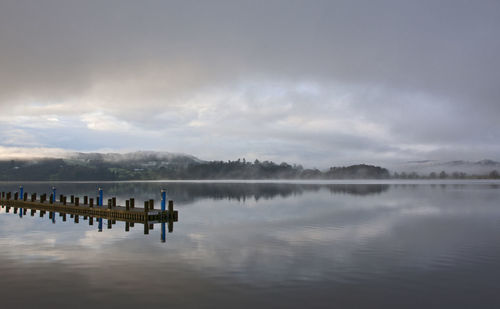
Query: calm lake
[{"x": 264, "y": 245}]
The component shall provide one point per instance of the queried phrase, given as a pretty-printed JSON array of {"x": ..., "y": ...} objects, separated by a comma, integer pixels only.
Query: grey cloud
[
  {"x": 447, "y": 47},
  {"x": 426, "y": 72}
]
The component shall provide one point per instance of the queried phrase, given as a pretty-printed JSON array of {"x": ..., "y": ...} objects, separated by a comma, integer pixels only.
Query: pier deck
[{"x": 121, "y": 213}]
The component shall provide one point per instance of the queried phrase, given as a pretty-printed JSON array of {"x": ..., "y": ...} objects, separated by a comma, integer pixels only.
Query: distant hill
[
  {"x": 425, "y": 167},
  {"x": 163, "y": 165}
]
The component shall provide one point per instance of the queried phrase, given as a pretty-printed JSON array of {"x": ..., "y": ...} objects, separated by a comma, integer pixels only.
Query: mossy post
[{"x": 170, "y": 210}]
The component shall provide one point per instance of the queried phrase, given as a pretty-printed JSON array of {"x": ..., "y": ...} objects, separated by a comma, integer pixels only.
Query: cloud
[{"x": 317, "y": 83}]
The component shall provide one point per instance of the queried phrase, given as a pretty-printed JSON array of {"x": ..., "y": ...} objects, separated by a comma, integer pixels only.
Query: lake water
[{"x": 264, "y": 245}]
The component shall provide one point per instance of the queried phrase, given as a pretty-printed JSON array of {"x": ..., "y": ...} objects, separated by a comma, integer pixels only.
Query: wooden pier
[{"x": 75, "y": 207}]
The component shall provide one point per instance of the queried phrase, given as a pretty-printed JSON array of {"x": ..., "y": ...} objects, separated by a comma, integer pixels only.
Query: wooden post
[
  {"x": 64, "y": 217},
  {"x": 127, "y": 205},
  {"x": 64, "y": 200},
  {"x": 109, "y": 223},
  {"x": 72, "y": 199},
  {"x": 91, "y": 203},
  {"x": 127, "y": 226},
  {"x": 151, "y": 204},
  {"x": 77, "y": 201},
  {"x": 91, "y": 220},
  {"x": 16, "y": 196},
  {"x": 146, "y": 228},
  {"x": 25, "y": 197},
  {"x": 76, "y": 218},
  {"x": 146, "y": 204},
  {"x": 33, "y": 197},
  {"x": 51, "y": 199},
  {"x": 110, "y": 203},
  {"x": 170, "y": 209},
  {"x": 114, "y": 201},
  {"x": 61, "y": 197},
  {"x": 85, "y": 200},
  {"x": 132, "y": 202}
]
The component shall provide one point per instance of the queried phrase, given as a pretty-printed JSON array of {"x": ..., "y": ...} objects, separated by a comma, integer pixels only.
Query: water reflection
[
  {"x": 187, "y": 193},
  {"x": 110, "y": 222},
  {"x": 402, "y": 246}
]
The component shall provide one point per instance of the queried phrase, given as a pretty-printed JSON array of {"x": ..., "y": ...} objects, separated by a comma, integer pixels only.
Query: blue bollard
[
  {"x": 163, "y": 199},
  {"x": 21, "y": 192},
  {"x": 20, "y": 212},
  {"x": 54, "y": 195},
  {"x": 100, "y": 197},
  {"x": 100, "y": 224}
]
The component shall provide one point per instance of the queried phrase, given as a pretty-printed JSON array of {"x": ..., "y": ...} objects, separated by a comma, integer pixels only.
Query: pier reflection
[{"x": 164, "y": 225}]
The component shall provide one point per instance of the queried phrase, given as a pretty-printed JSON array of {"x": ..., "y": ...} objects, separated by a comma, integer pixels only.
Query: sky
[{"x": 317, "y": 83}]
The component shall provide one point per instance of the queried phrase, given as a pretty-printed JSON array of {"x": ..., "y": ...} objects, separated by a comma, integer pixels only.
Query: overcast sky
[{"x": 313, "y": 82}]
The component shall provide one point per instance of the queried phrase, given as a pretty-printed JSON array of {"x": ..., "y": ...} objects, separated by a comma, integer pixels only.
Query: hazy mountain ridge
[
  {"x": 138, "y": 157},
  {"x": 163, "y": 165},
  {"x": 425, "y": 167},
  {"x": 150, "y": 165}
]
